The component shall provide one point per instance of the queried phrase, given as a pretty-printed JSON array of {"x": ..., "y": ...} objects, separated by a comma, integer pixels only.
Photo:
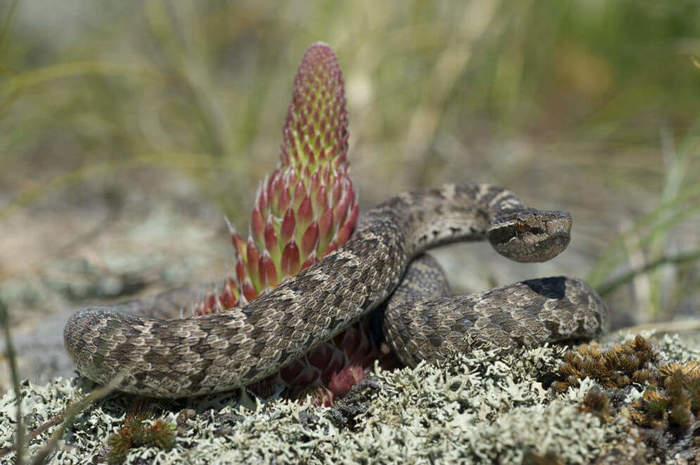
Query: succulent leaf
[{"x": 304, "y": 209}]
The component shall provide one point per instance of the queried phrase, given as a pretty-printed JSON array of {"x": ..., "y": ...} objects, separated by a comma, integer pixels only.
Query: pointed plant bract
[{"x": 304, "y": 210}]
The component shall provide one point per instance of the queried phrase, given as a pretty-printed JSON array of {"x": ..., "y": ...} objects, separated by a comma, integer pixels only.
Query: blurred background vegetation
[{"x": 129, "y": 129}]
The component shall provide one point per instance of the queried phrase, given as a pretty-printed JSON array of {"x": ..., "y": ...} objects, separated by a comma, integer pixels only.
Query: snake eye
[
  {"x": 522, "y": 227},
  {"x": 535, "y": 230}
]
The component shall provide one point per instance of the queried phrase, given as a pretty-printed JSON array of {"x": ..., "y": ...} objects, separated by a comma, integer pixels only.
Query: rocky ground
[{"x": 100, "y": 244}]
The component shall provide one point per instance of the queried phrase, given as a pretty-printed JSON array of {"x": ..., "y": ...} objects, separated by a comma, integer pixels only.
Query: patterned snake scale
[{"x": 178, "y": 357}]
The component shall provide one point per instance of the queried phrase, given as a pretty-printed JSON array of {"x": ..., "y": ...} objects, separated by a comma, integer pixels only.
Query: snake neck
[
  {"x": 390, "y": 235},
  {"x": 418, "y": 221},
  {"x": 422, "y": 220}
]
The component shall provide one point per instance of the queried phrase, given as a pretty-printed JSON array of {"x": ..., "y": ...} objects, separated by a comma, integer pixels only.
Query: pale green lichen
[
  {"x": 484, "y": 407},
  {"x": 678, "y": 350}
]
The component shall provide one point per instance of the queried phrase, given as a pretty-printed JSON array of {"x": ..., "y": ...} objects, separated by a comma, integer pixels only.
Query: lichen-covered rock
[{"x": 484, "y": 407}]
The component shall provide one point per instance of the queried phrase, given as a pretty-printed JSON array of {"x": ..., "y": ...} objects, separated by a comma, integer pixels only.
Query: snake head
[{"x": 530, "y": 235}]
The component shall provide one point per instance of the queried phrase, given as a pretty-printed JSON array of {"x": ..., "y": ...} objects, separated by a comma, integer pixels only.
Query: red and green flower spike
[{"x": 307, "y": 207}]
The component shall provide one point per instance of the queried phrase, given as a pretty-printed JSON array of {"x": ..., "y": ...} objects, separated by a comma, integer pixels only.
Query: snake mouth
[{"x": 531, "y": 236}]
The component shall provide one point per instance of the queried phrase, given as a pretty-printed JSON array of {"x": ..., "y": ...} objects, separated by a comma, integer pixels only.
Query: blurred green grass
[{"x": 438, "y": 91}]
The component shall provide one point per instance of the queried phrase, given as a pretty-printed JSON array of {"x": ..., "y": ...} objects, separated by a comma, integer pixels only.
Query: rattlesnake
[{"x": 179, "y": 357}]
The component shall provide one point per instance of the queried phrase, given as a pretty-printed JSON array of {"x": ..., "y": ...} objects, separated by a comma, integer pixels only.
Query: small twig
[
  {"x": 67, "y": 416},
  {"x": 611, "y": 285},
  {"x": 71, "y": 412},
  {"x": 56, "y": 419},
  {"x": 48, "y": 424},
  {"x": 14, "y": 374}
]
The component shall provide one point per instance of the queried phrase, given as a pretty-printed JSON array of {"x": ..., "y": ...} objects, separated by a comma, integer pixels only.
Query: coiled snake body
[{"x": 179, "y": 357}]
